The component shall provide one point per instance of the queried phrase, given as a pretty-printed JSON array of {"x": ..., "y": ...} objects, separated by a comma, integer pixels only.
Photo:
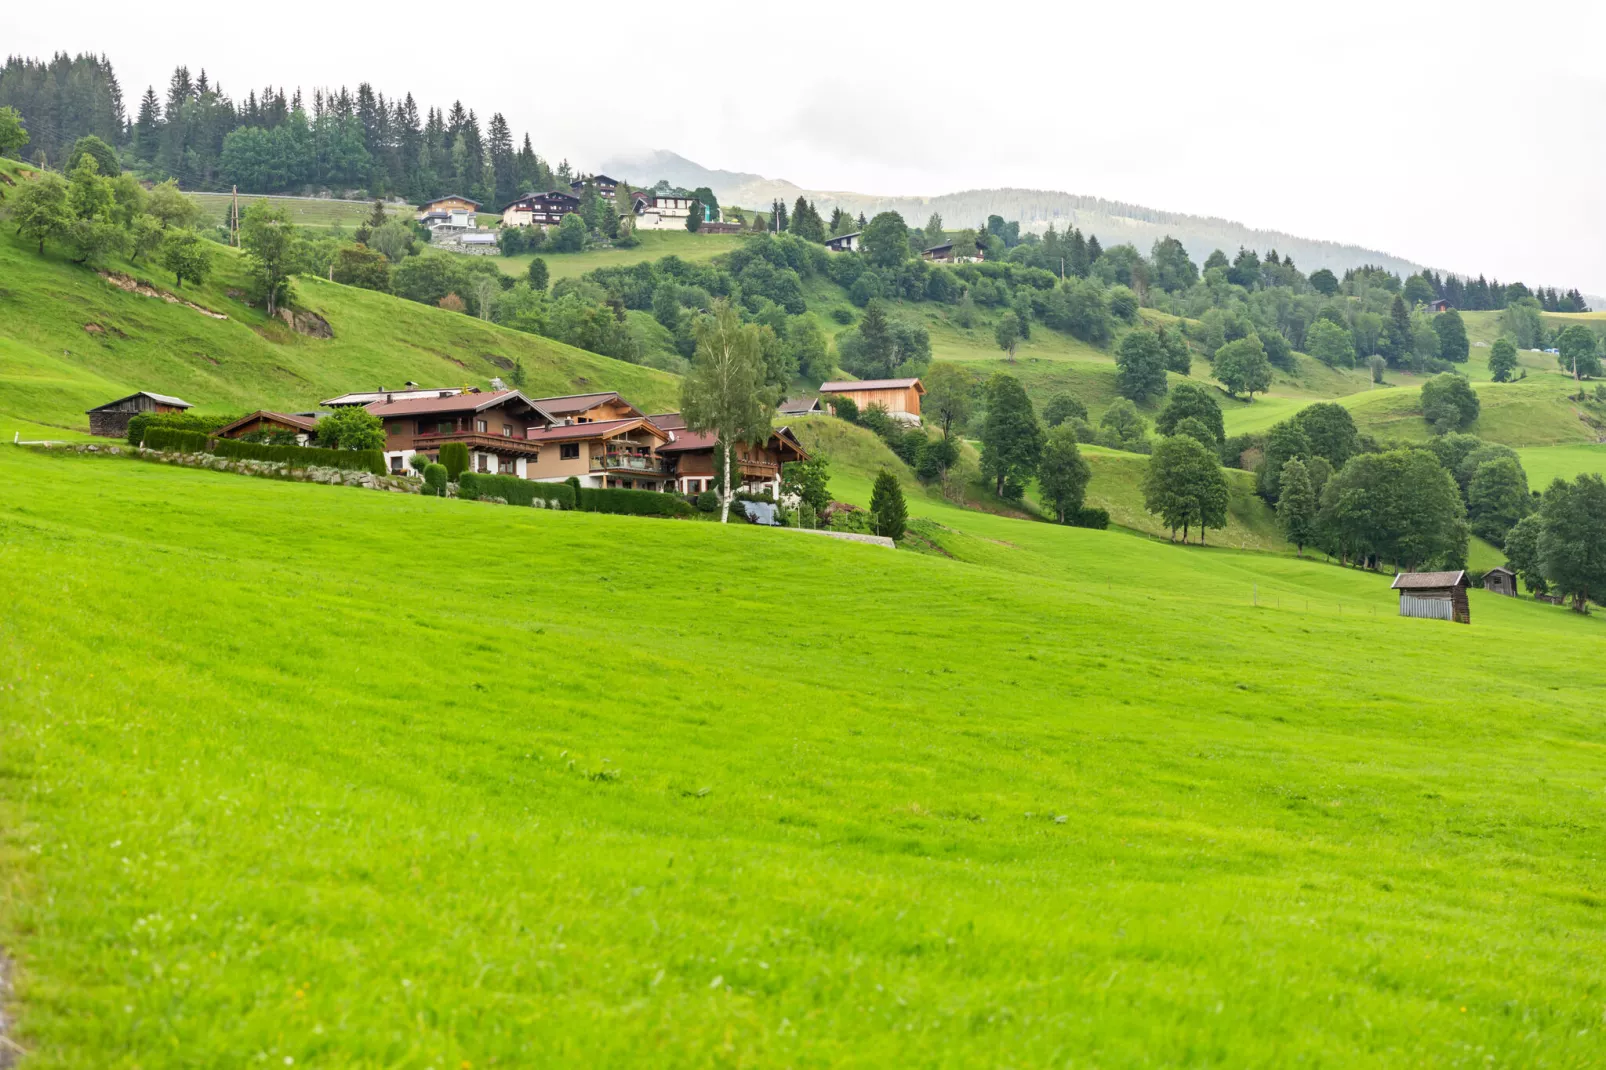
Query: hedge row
[
  {"x": 175, "y": 441},
  {"x": 633, "y": 502},
  {"x": 302, "y": 456},
  {"x": 141, "y": 422},
  {"x": 513, "y": 490}
]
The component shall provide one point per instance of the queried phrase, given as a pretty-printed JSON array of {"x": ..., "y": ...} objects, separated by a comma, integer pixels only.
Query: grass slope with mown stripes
[{"x": 316, "y": 776}]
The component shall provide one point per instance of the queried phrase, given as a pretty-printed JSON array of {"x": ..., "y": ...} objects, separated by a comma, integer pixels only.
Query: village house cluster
[
  {"x": 455, "y": 217},
  {"x": 599, "y": 439}
]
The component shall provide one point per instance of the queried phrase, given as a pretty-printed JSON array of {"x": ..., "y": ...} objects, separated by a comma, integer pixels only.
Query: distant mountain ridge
[{"x": 1114, "y": 222}]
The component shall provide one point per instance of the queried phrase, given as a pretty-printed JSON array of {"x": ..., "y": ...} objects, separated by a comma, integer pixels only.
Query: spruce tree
[
  {"x": 1296, "y": 508},
  {"x": 887, "y": 506}
]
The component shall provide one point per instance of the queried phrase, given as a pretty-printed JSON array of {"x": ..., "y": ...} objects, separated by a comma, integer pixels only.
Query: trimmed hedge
[
  {"x": 435, "y": 480},
  {"x": 513, "y": 490},
  {"x": 173, "y": 441},
  {"x": 141, "y": 422},
  {"x": 302, "y": 456},
  {"x": 633, "y": 502}
]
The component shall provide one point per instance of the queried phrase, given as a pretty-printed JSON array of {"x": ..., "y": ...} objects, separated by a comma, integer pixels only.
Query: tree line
[{"x": 273, "y": 142}]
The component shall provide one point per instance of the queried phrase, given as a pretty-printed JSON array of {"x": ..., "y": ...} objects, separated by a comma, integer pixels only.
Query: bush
[
  {"x": 454, "y": 457},
  {"x": 419, "y": 461},
  {"x": 301, "y": 456},
  {"x": 845, "y": 408},
  {"x": 514, "y": 491},
  {"x": 1087, "y": 517},
  {"x": 140, "y": 422},
  {"x": 435, "y": 480},
  {"x": 842, "y": 315},
  {"x": 633, "y": 502},
  {"x": 708, "y": 502},
  {"x": 174, "y": 440}
]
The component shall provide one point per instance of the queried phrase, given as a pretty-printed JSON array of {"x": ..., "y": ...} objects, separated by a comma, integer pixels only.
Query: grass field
[
  {"x": 693, "y": 248},
  {"x": 1546, "y": 463},
  {"x": 70, "y": 340},
  {"x": 275, "y": 790}
]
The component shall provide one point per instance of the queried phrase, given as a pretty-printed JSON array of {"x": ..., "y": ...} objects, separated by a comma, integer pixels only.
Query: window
[
  {"x": 445, "y": 427},
  {"x": 507, "y": 430},
  {"x": 479, "y": 425},
  {"x": 394, "y": 429},
  {"x": 569, "y": 451},
  {"x": 506, "y": 466},
  {"x": 482, "y": 462},
  {"x": 395, "y": 462}
]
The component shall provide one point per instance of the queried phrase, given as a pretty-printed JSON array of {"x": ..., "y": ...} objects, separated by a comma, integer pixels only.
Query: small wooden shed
[
  {"x": 111, "y": 419},
  {"x": 1501, "y": 580},
  {"x": 1434, "y": 595}
]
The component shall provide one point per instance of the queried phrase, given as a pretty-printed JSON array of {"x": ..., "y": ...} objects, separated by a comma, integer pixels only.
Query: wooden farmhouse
[
  {"x": 607, "y": 188},
  {"x": 1501, "y": 580},
  {"x": 111, "y": 419},
  {"x": 844, "y": 243},
  {"x": 663, "y": 211},
  {"x": 494, "y": 425},
  {"x": 1440, "y": 305},
  {"x": 690, "y": 455},
  {"x": 263, "y": 423},
  {"x": 449, "y": 213},
  {"x": 900, "y": 397},
  {"x": 540, "y": 209},
  {"x": 1434, "y": 595}
]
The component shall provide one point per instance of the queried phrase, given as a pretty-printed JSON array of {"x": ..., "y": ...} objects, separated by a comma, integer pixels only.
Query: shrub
[
  {"x": 140, "y": 422},
  {"x": 842, "y": 315},
  {"x": 887, "y": 506},
  {"x": 454, "y": 457},
  {"x": 301, "y": 456},
  {"x": 419, "y": 461},
  {"x": 633, "y": 502},
  {"x": 513, "y": 490},
  {"x": 175, "y": 440},
  {"x": 435, "y": 480},
  {"x": 1088, "y": 517},
  {"x": 708, "y": 502},
  {"x": 845, "y": 408}
]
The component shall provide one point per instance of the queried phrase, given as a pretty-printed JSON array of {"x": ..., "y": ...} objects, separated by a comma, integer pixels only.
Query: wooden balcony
[
  {"x": 624, "y": 462},
  {"x": 477, "y": 440}
]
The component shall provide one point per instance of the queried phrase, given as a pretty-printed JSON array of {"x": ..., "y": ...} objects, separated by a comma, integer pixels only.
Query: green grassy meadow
[
  {"x": 70, "y": 340},
  {"x": 600, "y": 789},
  {"x": 316, "y": 213},
  {"x": 693, "y": 248}
]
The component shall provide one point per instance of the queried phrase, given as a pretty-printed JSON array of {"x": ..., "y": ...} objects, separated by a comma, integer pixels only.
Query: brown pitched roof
[
  {"x": 871, "y": 384},
  {"x": 1427, "y": 581},
  {"x": 163, "y": 399},
  {"x": 669, "y": 421},
  {"x": 568, "y": 403},
  {"x": 799, "y": 406},
  {"x": 685, "y": 441},
  {"x": 305, "y": 423},
  {"x": 455, "y": 403},
  {"x": 599, "y": 429}
]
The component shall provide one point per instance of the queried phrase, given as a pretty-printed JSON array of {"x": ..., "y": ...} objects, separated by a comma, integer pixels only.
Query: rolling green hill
[
  {"x": 1058, "y": 791},
  {"x": 69, "y": 339}
]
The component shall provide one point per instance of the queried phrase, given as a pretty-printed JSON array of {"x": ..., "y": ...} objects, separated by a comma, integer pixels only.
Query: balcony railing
[
  {"x": 622, "y": 462},
  {"x": 478, "y": 440}
]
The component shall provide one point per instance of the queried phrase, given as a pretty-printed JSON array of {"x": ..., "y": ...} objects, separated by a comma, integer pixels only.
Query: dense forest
[{"x": 271, "y": 142}]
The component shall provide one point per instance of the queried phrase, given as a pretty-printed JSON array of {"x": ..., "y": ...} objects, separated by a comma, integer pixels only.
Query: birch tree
[{"x": 724, "y": 392}]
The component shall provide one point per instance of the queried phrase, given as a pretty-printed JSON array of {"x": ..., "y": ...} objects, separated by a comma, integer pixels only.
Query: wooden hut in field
[
  {"x": 1501, "y": 580},
  {"x": 1434, "y": 595},
  {"x": 111, "y": 419}
]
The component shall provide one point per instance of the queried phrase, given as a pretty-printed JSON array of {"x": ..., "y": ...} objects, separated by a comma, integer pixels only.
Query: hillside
[
  {"x": 1113, "y": 221},
  {"x": 69, "y": 339},
  {"x": 1121, "y": 741}
]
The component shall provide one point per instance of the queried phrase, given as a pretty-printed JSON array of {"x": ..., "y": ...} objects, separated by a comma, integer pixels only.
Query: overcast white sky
[{"x": 1470, "y": 136}]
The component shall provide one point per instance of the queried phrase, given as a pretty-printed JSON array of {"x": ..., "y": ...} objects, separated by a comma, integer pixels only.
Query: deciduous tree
[
  {"x": 1241, "y": 367},
  {"x": 1011, "y": 438},
  {"x": 1296, "y": 507},
  {"x": 1140, "y": 366},
  {"x": 1185, "y": 487},
  {"x": 1502, "y": 360},
  {"x": 1062, "y": 473},
  {"x": 1572, "y": 538},
  {"x": 186, "y": 255},
  {"x": 724, "y": 393},
  {"x": 268, "y": 239}
]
